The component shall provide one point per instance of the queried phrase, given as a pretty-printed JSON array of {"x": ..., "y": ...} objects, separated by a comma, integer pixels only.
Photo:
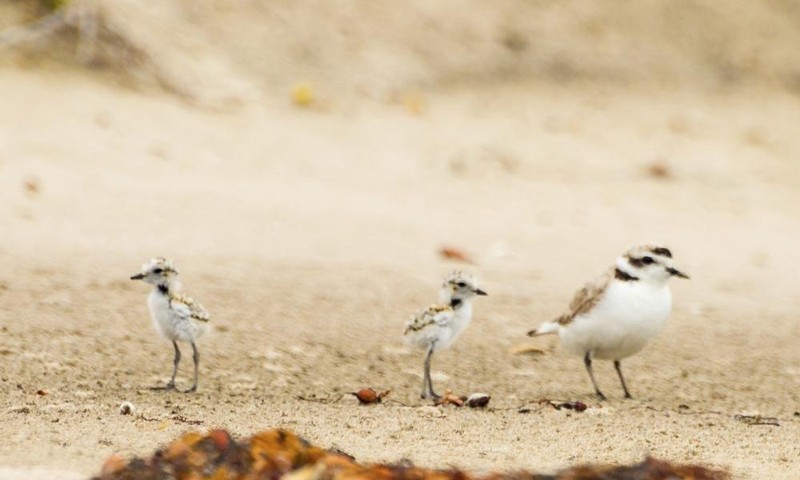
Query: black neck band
[{"x": 624, "y": 276}]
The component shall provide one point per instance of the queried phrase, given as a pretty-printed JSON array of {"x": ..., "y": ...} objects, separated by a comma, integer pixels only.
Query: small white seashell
[
  {"x": 478, "y": 400},
  {"x": 126, "y": 408}
]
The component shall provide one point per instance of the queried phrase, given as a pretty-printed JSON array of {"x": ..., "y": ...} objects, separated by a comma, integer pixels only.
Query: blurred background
[
  {"x": 315, "y": 168},
  {"x": 484, "y": 126}
]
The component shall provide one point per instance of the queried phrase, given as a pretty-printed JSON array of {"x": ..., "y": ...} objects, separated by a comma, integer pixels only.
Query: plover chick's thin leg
[
  {"x": 175, "y": 362},
  {"x": 616, "y": 315},
  {"x": 427, "y": 384},
  {"x": 176, "y": 317},
  {"x": 437, "y": 327},
  {"x": 196, "y": 359}
]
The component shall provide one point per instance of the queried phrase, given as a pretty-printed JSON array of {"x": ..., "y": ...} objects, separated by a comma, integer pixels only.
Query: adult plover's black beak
[
  {"x": 677, "y": 273},
  {"x": 478, "y": 291},
  {"x": 138, "y": 276}
]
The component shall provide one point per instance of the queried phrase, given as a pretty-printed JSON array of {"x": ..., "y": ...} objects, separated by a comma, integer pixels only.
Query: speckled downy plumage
[
  {"x": 438, "y": 326},
  {"x": 176, "y": 317}
]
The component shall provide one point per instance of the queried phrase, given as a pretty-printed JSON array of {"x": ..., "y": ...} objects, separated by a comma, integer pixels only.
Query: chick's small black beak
[
  {"x": 138, "y": 276},
  {"x": 478, "y": 291},
  {"x": 677, "y": 273}
]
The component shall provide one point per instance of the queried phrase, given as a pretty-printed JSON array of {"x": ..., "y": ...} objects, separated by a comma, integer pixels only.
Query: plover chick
[
  {"x": 437, "y": 327},
  {"x": 176, "y": 316},
  {"x": 616, "y": 315}
]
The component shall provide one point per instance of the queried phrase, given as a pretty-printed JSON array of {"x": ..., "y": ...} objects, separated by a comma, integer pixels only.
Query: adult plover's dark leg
[
  {"x": 618, "y": 366},
  {"x": 427, "y": 384},
  {"x": 196, "y": 358},
  {"x": 587, "y": 360}
]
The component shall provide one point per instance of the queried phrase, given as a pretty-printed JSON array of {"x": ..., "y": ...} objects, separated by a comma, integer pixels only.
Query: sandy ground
[{"x": 311, "y": 235}]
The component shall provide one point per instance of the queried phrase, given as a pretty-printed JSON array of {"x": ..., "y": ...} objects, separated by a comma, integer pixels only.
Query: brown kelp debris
[
  {"x": 473, "y": 400},
  {"x": 449, "y": 398},
  {"x": 280, "y": 454}
]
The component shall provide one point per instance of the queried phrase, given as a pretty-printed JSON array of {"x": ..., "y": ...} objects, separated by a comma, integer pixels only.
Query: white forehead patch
[
  {"x": 458, "y": 277},
  {"x": 159, "y": 262}
]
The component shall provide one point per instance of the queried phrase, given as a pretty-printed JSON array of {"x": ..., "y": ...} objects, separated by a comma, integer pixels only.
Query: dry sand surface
[{"x": 312, "y": 234}]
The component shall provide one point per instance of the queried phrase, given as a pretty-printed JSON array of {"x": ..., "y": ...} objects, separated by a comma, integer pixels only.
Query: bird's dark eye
[
  {"x": 158, "y": 271},
  {"x": 647, "y": 260},
  {"x": 461, "y": 284}
]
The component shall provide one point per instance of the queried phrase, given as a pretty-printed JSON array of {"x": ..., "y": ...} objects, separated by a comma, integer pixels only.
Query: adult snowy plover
[
  {"x": 437, "y": 327},
  {"x": 615, "y": 316},
  {"x": 175, "y": 316}
]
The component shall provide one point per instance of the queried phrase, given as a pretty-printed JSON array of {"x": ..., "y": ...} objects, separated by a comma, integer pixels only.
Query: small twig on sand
[
  {"x": 182, "y": 419},
  {"x": 757, "y": 420},
  {"x": 322, "y": 400},
  {"x": 177, "y": 418}
]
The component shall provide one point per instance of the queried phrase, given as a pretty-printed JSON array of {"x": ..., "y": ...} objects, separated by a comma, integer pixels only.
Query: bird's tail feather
[{"x": 544, "y": 329}]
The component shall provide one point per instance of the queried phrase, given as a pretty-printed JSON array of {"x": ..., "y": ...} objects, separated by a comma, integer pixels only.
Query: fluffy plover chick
[
  {"x": 176, "y": 316},
  {"x": 616, "y": 315},
  {"x": 437, "y": 327}
]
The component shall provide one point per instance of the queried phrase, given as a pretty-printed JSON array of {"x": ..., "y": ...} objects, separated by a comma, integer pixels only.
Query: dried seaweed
[{"x": 280, "y": 454}]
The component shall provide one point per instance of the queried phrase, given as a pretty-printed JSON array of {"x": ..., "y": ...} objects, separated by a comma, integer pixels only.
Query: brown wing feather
[
  {"x": 196, "y": 311},
  {"x": 586, "y": 298},
  {"x": 425, "y": 318}
]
